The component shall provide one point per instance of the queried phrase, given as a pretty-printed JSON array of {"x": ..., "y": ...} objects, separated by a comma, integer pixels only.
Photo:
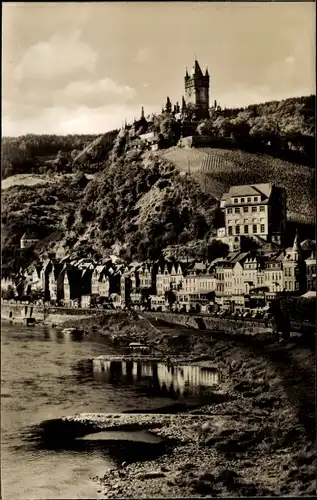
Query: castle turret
[
  {"x": 197, "y": 90},
  {"x": 296, "y": 252}
]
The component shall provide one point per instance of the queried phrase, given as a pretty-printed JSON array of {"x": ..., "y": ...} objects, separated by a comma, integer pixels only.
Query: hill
[
  {"x": 143, "y": 202},
  {"x": 42, "y": 154},
  {"x": 216, "y": 169},
  {"x": 34, "y": 179}
]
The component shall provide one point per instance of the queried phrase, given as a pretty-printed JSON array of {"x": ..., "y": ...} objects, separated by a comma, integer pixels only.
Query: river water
[{"x": 45, "y": 375}]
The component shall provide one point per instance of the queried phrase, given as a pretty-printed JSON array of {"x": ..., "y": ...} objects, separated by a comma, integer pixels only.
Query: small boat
[
  {"x": 30, "y": 321},
  {"x": 137, "y": 346},
  {"x": 76, "y": 332}
]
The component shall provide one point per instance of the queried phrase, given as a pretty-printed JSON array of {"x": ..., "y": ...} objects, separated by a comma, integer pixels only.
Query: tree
[
  {"x": 170, "y": 297},
  {"x": 217, "y": 249},
  {"x": 8, "y": 294},
  {"x": 240, "y": 129},
  {"x": 222, "y": 126}
]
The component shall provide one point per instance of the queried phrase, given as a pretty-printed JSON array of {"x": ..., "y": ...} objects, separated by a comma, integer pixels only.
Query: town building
[
  {"x": 100, "y": 281},
  {"x": 253, "y": 210},
  {"x": 311, "y": 273},
  {"x": 28, "y": 240},
  {"x": 273, "y": 274},
  {"x": 54, "y": 291},
  {"x": 163, "y": 278},
  {"x": 294, "y": 269}
]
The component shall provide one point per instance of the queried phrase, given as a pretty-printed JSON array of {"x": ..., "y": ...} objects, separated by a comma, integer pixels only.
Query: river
[
  {"x": 41, "y": 378},
  {"x": 47, "y": 375}
]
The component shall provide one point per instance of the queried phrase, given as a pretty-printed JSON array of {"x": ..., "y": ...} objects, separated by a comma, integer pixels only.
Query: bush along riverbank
[{"x": 257, "y": 439}]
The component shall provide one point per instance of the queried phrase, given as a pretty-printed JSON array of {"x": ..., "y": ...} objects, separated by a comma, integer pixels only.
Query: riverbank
[
  {"x": 258, "y": 440},
  {"x": 49, "y": 315}
]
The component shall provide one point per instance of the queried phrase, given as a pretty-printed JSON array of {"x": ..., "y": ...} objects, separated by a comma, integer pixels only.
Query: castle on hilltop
[
  {"x": 196, "y": 91},
  {"x": 195, "y": 103}
]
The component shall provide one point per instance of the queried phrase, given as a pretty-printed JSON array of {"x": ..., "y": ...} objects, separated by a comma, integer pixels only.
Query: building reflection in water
[{"x": 167, "y": 380}]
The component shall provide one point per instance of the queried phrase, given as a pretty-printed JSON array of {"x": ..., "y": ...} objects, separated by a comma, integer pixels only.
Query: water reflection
[{"x": 167, "y": 380}]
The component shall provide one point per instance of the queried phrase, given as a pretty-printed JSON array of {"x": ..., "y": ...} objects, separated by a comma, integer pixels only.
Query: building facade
[
  {"x": 253, "y": 210},
  {"x": 311, "y": 273}
]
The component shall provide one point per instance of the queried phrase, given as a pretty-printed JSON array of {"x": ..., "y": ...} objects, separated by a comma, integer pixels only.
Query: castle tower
[{"x": 197, "y": 89}]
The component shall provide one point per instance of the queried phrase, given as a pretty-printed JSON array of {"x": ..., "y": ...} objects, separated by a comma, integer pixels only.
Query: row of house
[{"x": 231, "y": 279}]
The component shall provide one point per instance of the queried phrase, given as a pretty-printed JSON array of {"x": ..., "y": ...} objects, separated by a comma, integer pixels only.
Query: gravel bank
[{"x": 260, "y": 442}]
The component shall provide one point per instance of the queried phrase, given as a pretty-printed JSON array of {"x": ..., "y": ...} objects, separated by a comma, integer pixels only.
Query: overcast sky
[{"x": 83, "y": 68}]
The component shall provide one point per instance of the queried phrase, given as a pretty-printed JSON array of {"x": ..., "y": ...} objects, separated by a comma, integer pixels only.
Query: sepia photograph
[{"x": 158, "y": 250}]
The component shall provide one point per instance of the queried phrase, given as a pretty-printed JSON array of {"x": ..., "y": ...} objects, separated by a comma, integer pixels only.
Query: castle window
[
  {"x": 229, "y": 210},
  {"x": 237, "y": 229},
  {"x": 249, "y": 200},
  {"x": 242, "y": 200},
  {"x": 262, "y": 208},
  {"x": 245, "y": 209},
  {"x": 262, "y": 228},
  {"x": 236, "y": 200},
  {"x": 237, "y": 210},
  {"x": 246, "y": 229},
  {"x": 254, "y": 209},
  {"x": 255, "y": 228}
]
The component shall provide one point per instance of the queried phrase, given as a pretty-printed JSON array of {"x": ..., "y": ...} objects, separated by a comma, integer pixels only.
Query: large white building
[{"x": 253, "y": 210}]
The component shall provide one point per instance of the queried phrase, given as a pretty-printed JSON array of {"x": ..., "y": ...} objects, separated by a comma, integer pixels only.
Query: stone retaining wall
[{"x": 17, "y": 313}]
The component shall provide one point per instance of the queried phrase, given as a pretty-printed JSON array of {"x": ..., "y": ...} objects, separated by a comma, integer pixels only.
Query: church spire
[{"x": 142, "y": 113}]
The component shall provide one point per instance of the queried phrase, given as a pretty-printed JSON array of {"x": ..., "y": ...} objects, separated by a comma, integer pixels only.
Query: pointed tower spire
[
  {"x": 207, "y": 72},
  {"x": 142, "y": 112},
  {"x": 186, "y": 74},
  {"x": 296, "y": 245},
  {"x": 197, "y": 68}
]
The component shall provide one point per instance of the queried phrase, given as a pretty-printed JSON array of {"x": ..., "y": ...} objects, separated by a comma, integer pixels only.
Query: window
[
  {"x": 242, "y": 200},
  {"x": 254, "y": 209},
  {"x": 229, "y": 222},
  {"x": 230, "y": 230},
  {"x": 262, "y": 228},
  {"x": 285, "y": 285},
  {"x": 255, "y": 228},
  {"x": 262, "y": 208},
  {"x": 237, "y": 229},
  {"x": 237, "y": 210},
  {"x": 255, "y": 198},
  {"x": 249, "y": 200},
  {"x": 245, "y": 209},
  {"x": 236, "y": 200},
  {"x": 229, "y": 210},
  {"x": 246, "y": 229}
]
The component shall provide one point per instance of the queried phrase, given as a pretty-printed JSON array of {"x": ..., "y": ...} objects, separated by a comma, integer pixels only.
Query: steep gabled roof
[
  {"x": 264, "y": 190},
  {"x": 29, "y": 236}
]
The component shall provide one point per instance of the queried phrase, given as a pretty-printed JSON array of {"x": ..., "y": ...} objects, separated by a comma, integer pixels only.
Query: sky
[{"x": 81, "y": 68}]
